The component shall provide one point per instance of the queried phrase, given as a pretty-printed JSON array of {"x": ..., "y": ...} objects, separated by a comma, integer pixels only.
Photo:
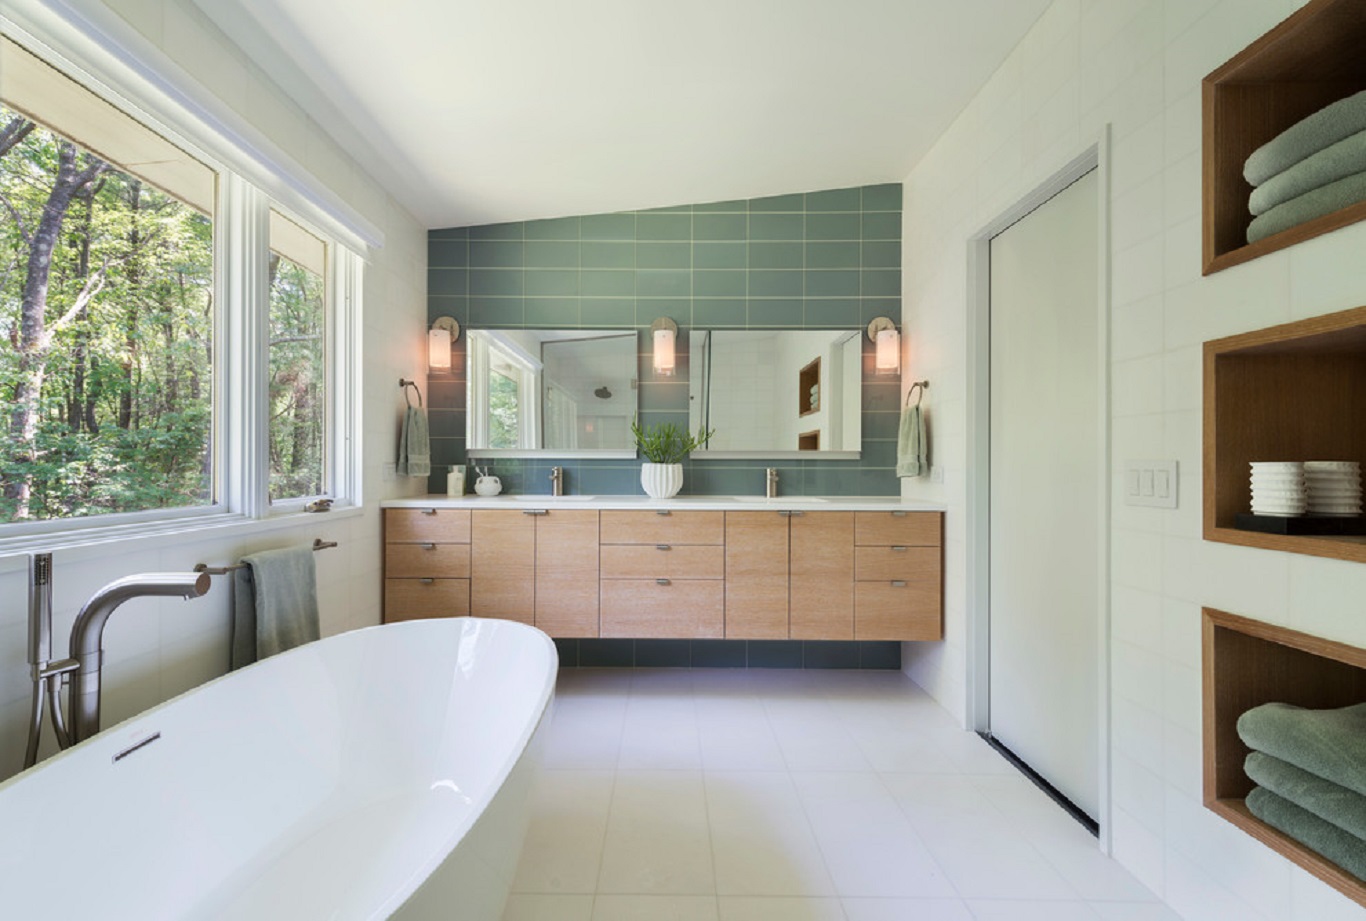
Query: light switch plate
[{"x": 1151, "y": 483}]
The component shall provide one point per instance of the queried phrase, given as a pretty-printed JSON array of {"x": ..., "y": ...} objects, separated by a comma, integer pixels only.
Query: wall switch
[
  {"x": 1150, "y": 482},
  {"x": 936, "y": 474},
  {"x": 388, "y": 472}
]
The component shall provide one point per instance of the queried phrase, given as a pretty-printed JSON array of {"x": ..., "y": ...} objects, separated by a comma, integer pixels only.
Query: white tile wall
[{"x": 1135, "y": 65}]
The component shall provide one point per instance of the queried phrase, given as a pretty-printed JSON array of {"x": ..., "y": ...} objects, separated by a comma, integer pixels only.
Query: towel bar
[
  {"x": 405, "y": 384},
  {"x": 318, "y": 544},
  {"x": 922, "y": 386}
]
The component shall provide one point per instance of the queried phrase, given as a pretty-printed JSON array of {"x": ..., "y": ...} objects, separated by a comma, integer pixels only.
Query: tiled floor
[{"x": 766, "y": 795}]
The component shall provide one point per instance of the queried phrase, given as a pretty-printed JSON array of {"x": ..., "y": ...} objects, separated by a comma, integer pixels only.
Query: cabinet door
[
  {"x": 427, "y": 561},
  {"x": 822, "y": 576},
  {"x": 663, "y": 608},
  {"x": 756, "y": 576},
  {"x": 915, "y": 529},
  {"x": 413, "y": 599},
  {"x": 443, "y": 525},
  {"x": 567, "y": 573},
  {"x": 503, "y": 565},
  {"x": 898, "y": 611},
  {"x": 662, "y": 527}
]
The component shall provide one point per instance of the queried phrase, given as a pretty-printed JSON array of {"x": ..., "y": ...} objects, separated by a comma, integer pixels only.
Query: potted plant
[{"x": 664, "y": 447}]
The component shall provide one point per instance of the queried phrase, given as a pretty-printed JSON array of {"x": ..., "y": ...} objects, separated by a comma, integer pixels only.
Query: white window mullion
[
  {"x": 243, "y": 440},
  {"x": 345, "y": 375}
]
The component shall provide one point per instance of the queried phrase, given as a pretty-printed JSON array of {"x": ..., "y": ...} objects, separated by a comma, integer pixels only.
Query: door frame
[{"x": 1097, "y": 157}]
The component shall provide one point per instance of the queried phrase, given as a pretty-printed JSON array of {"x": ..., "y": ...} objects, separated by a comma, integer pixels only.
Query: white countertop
[{"x": 699, "y": 503}]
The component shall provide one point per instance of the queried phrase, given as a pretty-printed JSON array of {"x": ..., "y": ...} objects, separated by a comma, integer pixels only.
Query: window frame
[{"x": 249, "y": 184}]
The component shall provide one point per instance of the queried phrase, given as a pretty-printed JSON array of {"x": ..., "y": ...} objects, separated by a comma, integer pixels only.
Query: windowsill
[{"x": 93, "y": 542}]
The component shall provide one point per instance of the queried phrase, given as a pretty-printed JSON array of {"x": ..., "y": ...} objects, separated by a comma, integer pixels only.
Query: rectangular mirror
[
  {"x": 566, "y": 392},
  {"x": 777, "y": 393}
]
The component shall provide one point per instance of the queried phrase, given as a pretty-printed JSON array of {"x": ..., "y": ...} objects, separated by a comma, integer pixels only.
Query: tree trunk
[
  {"x": 130, "y": 326},
  {"x": 80, "y": 408}
]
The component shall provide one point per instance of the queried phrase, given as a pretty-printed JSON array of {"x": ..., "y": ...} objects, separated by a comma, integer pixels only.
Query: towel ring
[
  {"x": 922, "y": 386},
  {"x": 405, "y": 384}
]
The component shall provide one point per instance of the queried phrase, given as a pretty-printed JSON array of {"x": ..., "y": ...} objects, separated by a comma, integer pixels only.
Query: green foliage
[{"x": 668, "y": 443}]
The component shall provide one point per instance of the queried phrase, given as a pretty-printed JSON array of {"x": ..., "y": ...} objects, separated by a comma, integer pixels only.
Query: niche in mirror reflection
[{"x": 544, "y": 390}]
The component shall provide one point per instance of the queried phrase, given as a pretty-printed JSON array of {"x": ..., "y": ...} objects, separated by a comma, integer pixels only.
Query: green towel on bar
[
  {"x": 1306, "y": 137},
  {"x": 1333, "y": 803},
  {"x": 1343, "y": 159},
  {"x": 911, "y": 447},
  {"x": 1323, "y": 200},
  {"x": 1346, "y": 850},
  {"x": 275, "y": 604},
  {"x": 1327, "y": 743},
  {"x": 414, "y": 445}
]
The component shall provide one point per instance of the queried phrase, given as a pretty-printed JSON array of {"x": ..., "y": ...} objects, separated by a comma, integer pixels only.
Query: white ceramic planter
[{"x": 661, "y": 481}]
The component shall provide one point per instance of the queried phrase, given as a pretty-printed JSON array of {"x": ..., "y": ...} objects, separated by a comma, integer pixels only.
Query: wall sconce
[
  {"x": 888, "y": 341},
  {"x": 664, "y": 332},
  {"x": 444, "y": 331}
]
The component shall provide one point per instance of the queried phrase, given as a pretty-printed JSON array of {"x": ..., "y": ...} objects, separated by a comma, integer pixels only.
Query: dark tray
[{"x": 1302, "y": 524}]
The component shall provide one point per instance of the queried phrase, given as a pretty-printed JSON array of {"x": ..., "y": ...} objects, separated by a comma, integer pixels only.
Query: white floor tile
[
  {"x": 528, "y": 907},
  {"x": 659, "y": 732},
  {"x": 1134, "y": 911},
  {"x": 761, "y": 840},
  {"x": 655, "y": 908},
  {"x": 1017, "y": 910},
  {"x": 657, "y": 836},
  {"x": 906, "y": 910},
  {"x": 562, "y": 851},
  {"x": 752, "y": 908}
]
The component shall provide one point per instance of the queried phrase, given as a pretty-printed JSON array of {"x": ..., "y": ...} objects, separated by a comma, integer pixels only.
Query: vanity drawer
[
  {"x": 417, "y": 525},
  {"x": 902, "y": 562},
  {"x": 897, "y": 611},
  {"x": 644, "y": 527},
  {"x": 685, "y": 609},
  {"x": 427, "y": 560},
  {"x": 409, "y": 599},
  {"x": 921, "y": 529},
  {"x": 669, "y": 561}
]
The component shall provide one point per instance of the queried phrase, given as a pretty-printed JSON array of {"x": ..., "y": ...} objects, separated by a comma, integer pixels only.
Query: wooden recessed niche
[{"x": 1311, "y": 59}]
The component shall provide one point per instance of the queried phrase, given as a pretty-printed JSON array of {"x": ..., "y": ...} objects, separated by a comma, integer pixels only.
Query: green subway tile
[
  {"x": 502, "y": 254},
  {"x": 664, "y": 418},
  {"x": 505, "y": 282},
  {"x": 881, "y": 425},
  {"x": 552, "y": 282},
  {"x": 718, "y": 283},
  {"x": 776, "y": 226},
  {"x": 552, "y": 254},
  {"x": 559, "y": 228},
  {"x": 832, "y": 283},
  {"x": 886, "y": 197},
  {"x": 596, "y": 254},
  {"x": 776, "y": 255},
  {"x": 881, "y": 283},
  {"x": 678, "y": 309},
  {"x": 882, "y": 225},
  {"x": 720, "y": 226},
  {"x": 449, "y": 233},
  {"x": 721, "y": 206},
  {"x": 832, "y": 226},
  {"x": 878, "y": 453},
  {"x": 881, "y": 396},
  {"x": 668, "y": 209},
  {"x": 615, "y": 312},
  {"x": 872, "y": 307},
  {"x": 447, "y": 281},
  {"x": 881, "y": 254},
  {"x": 718, "y": 313},
  {"x": 608, "y": 227},
  {"x": 722, "y": 255},
  {"x": 834, "y": 313},
  {"x": 775, "y": 283},
  {"x": 552, "y": 311},
  {"x": 777, "y": 311},
  {"x": 663, "y": 283},
  {"x": 652, "y": 226},
  {"x": 496, "y": 311},
  {"x": 512, "y": 231},
  {"x": 665, "y": 397},
  {"x": 450, "y": 306},
  {"x": 832, "y": 255},
  {"x": 447, "y": 254},
  {"x": 607, "y": 283},
  {"x": 795, "y": 202},
  {"x": 671, "y": 255},
  {"x": 833, "y": 200}
]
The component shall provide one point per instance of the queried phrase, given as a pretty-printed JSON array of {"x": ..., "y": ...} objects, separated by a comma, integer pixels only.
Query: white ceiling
[{"x": 479, "y": 111}]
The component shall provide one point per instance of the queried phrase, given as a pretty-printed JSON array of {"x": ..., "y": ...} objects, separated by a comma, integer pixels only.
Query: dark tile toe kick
[{"x": 613, "y": 653}]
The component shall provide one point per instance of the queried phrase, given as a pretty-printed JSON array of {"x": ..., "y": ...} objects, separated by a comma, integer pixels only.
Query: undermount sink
[{"x": 573, "y": 498}]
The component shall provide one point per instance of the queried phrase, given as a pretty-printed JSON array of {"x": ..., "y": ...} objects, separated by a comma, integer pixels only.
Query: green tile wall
[{"x": 828, "y": 259}]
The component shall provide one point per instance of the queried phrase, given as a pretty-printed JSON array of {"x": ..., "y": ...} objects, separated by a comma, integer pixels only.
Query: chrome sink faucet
[
  {"x": 771, "y": 483},
  {"x": 557, "y": 481}
]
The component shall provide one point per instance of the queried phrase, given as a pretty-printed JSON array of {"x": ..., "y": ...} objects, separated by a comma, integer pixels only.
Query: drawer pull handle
[
  {"x": 663, "y": 547},
  {"x": 663, "y": 582},
  {"x": 899, "y": 549},
  {"x": 898, "y": 583},
  {"x": 535, "y": 511},
  {"x": 784, "y": 514},
  {"x": 429, "y": 511},
  {"x": 429, "y": 546},
  {"x": 796, "y": 514},
  {"x": 663, "y": 511},
  {"x": 427, "y": 581},
  {"x": 898, "y": 514}
]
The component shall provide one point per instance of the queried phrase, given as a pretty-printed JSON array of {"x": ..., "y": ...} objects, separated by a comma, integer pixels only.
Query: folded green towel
[
  {"x": 1327, "y": 743},
  {"x": 275, "y": 604},
  {"x": 414, "y": 445},
  {"x": 1346, "y": 157},
  {"x": 1323, "y": 200},
  {"x": 1307, "y": 136},
  {"x": 911, "y": 446},
  {"x": 1333, "y": 803},
  {"x": 1346, "y": 850}
]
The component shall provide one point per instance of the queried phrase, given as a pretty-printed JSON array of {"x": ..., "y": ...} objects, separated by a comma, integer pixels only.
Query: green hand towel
[
  {"x": 1330, "y": 802},
  {"x": 1306, "y": 137},
  {"x": 1343, "y": 159},
  {"x": 911, "y": 446},
  {"x": 1323, "y": 200},
  {"x": 1327, "y": 743},
  {"x": 1325, "y": 838},
  {"x": 414, "y": 445},
  {"x": 275, "y": 604}
]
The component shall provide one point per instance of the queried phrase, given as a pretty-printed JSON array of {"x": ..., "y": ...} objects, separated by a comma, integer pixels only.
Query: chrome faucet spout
[
  {"x": 771, "y": 483},
  {"x": 88, "y": 634},
  {"x": 557, "y": 481}
]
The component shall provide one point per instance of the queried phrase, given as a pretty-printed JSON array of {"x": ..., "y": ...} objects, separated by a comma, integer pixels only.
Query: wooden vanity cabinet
[
  {"x": 898, "y": 585},
  {"x": 822, "y": 576},
  {"x": 757, "y": 548},
  {"x": 426, "y": 563},
  {"x": 536, "y": 566},
  {"x": 663, "y": 574}
]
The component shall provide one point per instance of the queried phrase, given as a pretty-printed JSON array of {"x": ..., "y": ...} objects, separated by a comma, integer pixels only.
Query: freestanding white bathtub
[{"x": 378, "y": 773}]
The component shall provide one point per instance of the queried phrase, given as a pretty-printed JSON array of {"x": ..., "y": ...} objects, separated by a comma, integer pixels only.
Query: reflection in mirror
[
  {"x": 570, "y": 391},
  {"x": 771, "y": 393}
]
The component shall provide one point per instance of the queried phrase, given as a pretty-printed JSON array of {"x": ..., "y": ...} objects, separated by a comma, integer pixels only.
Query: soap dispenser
[{"x": 455, "y": 480}]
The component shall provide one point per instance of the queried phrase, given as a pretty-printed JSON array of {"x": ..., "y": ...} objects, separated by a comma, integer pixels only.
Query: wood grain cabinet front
[
  {"x": 426, "y": 563},
  {"x": 663, "y": 574},
  {"x": 536, "y": 566},
  {"x": 898, "y": 584}
]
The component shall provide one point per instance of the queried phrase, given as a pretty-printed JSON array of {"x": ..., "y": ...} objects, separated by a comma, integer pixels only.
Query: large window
[{"x": 298, "y": 361}]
